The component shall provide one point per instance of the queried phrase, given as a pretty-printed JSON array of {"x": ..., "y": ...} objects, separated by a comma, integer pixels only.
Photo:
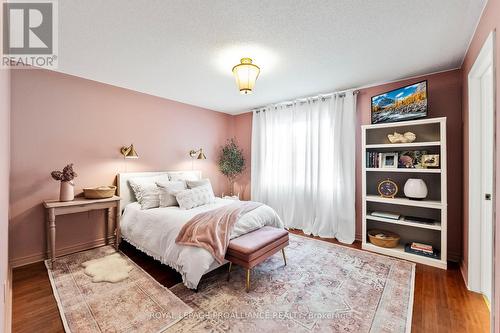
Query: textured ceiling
[{"x": 184, "y": 50}]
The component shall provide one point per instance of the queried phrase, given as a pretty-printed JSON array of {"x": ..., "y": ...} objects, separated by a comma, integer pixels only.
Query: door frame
[{"x": 485, "y": 59}]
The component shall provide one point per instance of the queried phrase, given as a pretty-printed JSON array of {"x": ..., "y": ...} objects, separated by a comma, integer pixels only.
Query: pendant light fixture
[{"x": 246, "y": 74}]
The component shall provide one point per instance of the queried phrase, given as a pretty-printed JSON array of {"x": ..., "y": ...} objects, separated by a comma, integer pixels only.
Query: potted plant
[
  {"x": 231, "y": 162},
  {"x": 66, "y": 176}
]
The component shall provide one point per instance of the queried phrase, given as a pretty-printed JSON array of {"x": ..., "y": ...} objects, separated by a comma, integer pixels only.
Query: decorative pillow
[
  {"x": 195, "y": 197},
  {"x": 167, "y": 199},
  {"x": 183, "y": 176},
  {"x": 197, "y": 183},
  {"x": 145, "y": 190}
]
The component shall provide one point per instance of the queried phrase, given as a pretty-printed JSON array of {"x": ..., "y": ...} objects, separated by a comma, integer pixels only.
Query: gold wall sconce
[
  {"x": 129, "y": 152},
  {"x": 198, "y": 154}
]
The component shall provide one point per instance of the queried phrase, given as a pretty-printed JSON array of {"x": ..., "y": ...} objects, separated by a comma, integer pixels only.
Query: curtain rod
[{"x": 304, "y": 99}]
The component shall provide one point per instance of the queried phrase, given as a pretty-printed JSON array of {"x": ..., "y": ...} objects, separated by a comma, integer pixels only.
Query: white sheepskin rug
[{"x": 112, "y": 268}]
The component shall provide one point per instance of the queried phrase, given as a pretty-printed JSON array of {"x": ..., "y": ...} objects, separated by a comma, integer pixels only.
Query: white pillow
[
  {"x": 167, "y": 199},
  {"x": 183, "y": 176},
  {"x": 196, "y": 183},
  {"x": 145, "y": 190},
  {"x": 195, "y": 197}
]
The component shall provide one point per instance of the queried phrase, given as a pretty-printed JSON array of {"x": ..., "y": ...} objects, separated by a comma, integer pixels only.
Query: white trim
[
  {"x": 484, "y": 60},
  {"x": 37, "y": 257},
  {"x": 473, "y": 34}
]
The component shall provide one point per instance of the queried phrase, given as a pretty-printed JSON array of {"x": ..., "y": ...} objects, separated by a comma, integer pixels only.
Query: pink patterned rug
[
  {"x": 324, "y": 288},
  {"x": 128, "y": 306}
]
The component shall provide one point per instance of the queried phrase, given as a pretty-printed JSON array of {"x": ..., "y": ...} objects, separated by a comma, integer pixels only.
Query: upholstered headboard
[{"x": 125, "y": 191}]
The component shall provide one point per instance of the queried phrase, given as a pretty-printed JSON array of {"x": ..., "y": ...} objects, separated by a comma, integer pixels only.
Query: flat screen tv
[{"x": 405, "y": 103}]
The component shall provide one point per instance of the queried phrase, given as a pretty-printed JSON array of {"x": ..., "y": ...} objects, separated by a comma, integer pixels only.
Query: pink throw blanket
[{"x": 211, "y": 230}]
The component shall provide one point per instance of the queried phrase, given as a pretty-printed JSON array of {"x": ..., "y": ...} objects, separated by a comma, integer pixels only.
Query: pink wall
[
  {"x": 4, "y": 185},
  {"x": 444, "y": 101},
  {"x": 490, "y": 21},
  {"x": 242, "y": 127},
  {"x": 59, "y": 119}
]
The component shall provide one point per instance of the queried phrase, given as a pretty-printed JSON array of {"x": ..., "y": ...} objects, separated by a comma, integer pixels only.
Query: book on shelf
[
  {"x": 416, "y": 219},
  {"x": 434, "y": 254},
  {"x": 386, "y": 215},
  {"x": 395, "y": 216},
  {"x": 373, "y": 159},
  {"x": 422, "y": 247}
]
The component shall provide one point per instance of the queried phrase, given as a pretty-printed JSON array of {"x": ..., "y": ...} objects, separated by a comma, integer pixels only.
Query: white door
[
  {"x": 481, "y": 117},
  {"x": 487, "y": 145}
]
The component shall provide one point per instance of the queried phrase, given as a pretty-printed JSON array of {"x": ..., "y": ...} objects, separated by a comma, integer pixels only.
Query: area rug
[
  {"x": 130, "y": 305},
  {"x": 323, "y": 288}
]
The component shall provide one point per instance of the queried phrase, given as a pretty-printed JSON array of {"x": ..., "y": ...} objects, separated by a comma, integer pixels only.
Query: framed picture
[
  {"x": 411, "y": 159},
  {"x": 404, "y": 103},
  {"x": 406, "y": 161},
  {"x": 430, "y": 161},
  {"x": 389, "y": 160}
]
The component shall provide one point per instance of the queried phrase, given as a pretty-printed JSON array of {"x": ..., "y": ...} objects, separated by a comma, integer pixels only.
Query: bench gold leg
[
  {"x": 248, "y": 280},
  {"x": 229, "y": 271},
  {"x": 284, "y": 258}
]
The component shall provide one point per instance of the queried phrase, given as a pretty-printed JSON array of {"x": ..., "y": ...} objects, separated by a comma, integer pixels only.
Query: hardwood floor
[{"x": 442, "y": 303}]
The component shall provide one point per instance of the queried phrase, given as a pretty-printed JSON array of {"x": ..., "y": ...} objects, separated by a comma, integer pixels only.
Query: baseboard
[
  {"x": 463, "y": 271},
  {"x": 8, "y": 302},
  {"x": 31, "y": 259},
  {"x": 455, "y": 257}
]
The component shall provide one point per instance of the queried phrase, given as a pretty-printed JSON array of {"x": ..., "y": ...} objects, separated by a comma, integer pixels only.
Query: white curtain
[{"x": 303, "y": 163}]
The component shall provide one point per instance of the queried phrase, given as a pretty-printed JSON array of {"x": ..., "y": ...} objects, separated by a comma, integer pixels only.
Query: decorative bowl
[
  {"x": 383, "y": 238},
  {"x": 101, "y": 192}
]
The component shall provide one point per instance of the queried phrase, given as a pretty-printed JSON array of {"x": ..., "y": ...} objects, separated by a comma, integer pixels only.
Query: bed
[{"x": 153, "y": 231}]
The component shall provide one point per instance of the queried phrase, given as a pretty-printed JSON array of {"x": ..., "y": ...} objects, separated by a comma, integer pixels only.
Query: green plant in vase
[{"x": 231, "y": 162}]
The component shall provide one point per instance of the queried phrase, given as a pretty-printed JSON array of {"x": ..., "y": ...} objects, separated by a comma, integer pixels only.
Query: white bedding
[{"x": 154, "y": 231}]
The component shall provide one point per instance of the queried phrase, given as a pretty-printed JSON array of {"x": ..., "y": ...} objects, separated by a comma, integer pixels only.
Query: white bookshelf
[
  {"x": 431, "y": 136},
  {"x": 404, "y": 201},
  {"x": 404, "y": 170},
  {"x": 407, "y": 146}
]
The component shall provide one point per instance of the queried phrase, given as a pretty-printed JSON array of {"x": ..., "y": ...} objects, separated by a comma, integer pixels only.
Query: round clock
[{"x": 387, "y": 188}]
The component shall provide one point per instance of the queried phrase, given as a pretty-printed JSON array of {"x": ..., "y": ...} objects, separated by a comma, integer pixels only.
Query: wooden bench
[{"x": 253, "y": 248}]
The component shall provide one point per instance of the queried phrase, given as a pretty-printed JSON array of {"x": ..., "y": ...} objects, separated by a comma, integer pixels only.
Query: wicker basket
[
  {"x": 101, "y": 192},
  {"x": 389, "y": 239}
]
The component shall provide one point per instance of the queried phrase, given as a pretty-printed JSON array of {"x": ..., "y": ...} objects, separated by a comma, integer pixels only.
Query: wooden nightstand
[{"x": 80, "y": 204}]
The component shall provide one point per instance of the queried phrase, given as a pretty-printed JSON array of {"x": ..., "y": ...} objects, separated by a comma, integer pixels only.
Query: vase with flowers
[{"x": 66, "y": 176}]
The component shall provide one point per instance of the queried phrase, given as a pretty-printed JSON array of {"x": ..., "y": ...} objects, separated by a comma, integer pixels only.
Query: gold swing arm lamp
[
  {"x": 198, "y": 154},
  {"x": 129, "y": 152}
]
